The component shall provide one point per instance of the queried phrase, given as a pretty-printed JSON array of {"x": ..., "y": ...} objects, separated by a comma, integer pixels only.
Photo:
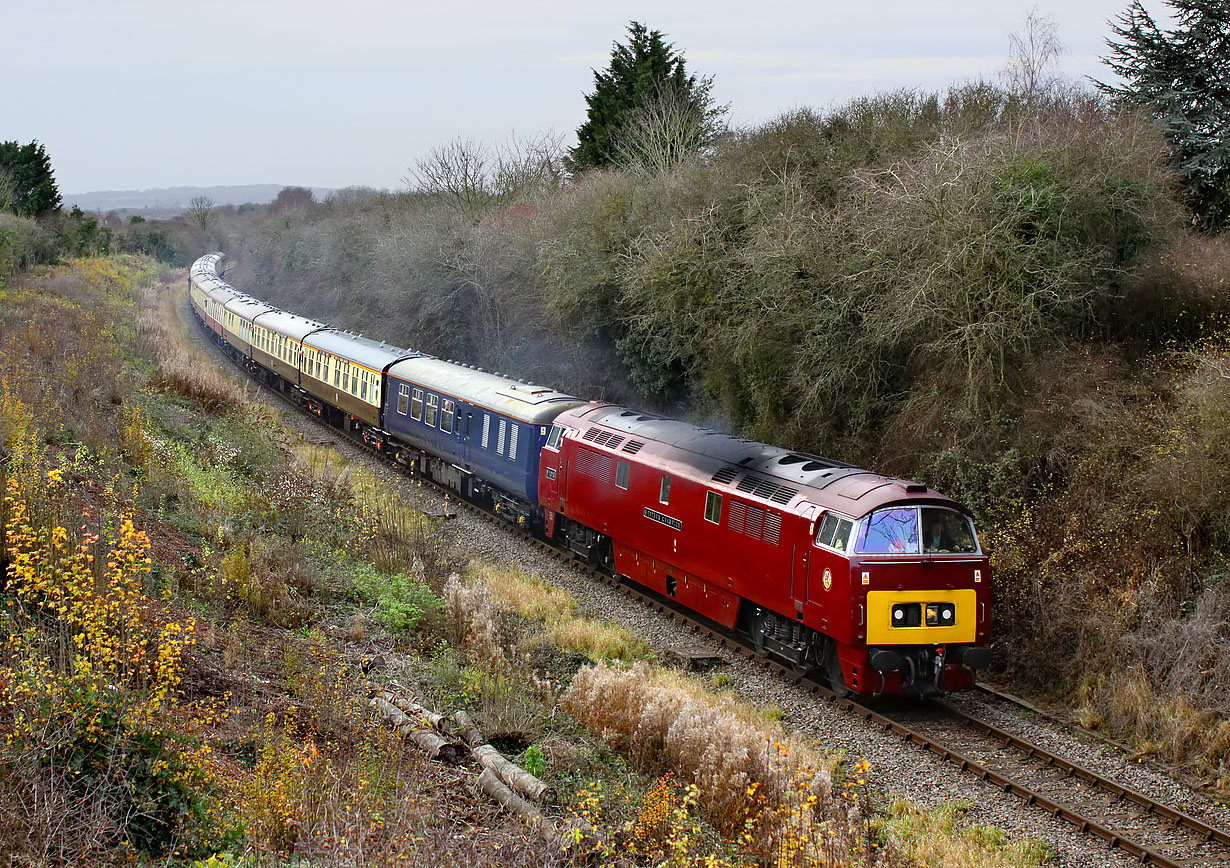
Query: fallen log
[
  {"x": 512, "y": 774},
  {"x": 575, "y": 833},
  {"x": 468, "y": 730},
  {"x": 418, "y": 732},
  {"x": 505, "y": 769},
  {"x": 442, "y": 723}
]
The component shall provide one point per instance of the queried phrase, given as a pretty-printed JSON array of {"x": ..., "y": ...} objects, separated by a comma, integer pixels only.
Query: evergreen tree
[
  {"x": 1183, "y": 77},
  {"x": 29, "y": 182},
  {"x": 646, "y": 70}
]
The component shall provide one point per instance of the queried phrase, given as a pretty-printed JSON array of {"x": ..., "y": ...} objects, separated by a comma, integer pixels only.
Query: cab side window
[{"x": 834, "y": 532}]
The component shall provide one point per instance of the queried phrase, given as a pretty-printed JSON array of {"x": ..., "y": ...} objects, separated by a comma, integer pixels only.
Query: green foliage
[
  {"x": 1182, "y": 76},
  {"x": 645, "y": 71},
  {"x": 27, "y": 182},
  {"x": 402, "y": 602},
  {"x": 534, "y": 762},
  {"x": 23, "y": 243}
]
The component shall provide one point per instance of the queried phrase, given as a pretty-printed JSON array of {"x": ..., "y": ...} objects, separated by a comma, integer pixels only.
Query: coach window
[
  {"x": 363, "y": 387},
  {"x": 713, "y": 507},
  {"x": 416, "y": 405},
  {"x": 433, "y": 404},
  {"x": 622, "y": 471},
  {"x": 664, "y": 493},
  {"x": 446, "y": 418},
  {"x": 403, "y": 399},
  {"x": 557, "y": 435},
  {"x": 337, "y": 374}
]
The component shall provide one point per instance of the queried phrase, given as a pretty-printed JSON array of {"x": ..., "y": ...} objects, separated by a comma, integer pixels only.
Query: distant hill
[{"x": 173, "y": 200}]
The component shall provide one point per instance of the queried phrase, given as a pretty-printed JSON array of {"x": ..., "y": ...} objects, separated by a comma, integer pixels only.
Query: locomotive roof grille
[
  {"x": 633, "y": 446},
  {"x": 766, "y": 488},
  {"x": 726, "y": 475},
  {"x": 604, "y": 438}
]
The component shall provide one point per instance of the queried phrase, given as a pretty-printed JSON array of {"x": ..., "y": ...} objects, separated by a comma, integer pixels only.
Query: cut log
[
  {"x": 468, "y": 730},
  {"x": 418, "y": 732},
  {"x": 512, "y": 774},
  {"x": 505, "y": 769},
  {"x": 444, "y": 725},
  {"x": 565, "y": 839}
]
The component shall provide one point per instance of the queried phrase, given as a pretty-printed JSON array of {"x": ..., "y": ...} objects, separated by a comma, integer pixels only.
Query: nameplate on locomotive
[{"x": 654, "y": 515}]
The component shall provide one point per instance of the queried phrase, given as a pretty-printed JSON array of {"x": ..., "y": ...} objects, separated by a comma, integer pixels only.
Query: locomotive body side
[{"x": 731, "y": 529}]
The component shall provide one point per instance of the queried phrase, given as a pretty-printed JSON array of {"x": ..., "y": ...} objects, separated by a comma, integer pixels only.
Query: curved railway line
[{"x": 1144, "y": 828}]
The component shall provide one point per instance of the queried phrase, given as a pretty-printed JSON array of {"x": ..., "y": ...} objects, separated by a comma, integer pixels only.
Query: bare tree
[
  {"x": 201, "y": 212},
  {"x": 665, "y": 131},
  {"x": 8, "y": 191},
  {"x": 291, "y": 199},
  {"x": 1033, "y": 55},
  {"x": 470, "y": 176}
]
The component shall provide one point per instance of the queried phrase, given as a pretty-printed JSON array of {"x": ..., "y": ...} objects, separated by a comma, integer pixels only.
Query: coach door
[{"x": 802, "y": 557}]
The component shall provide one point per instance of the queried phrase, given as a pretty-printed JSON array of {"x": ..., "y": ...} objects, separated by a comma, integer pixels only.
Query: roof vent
[
  {"x": 915, "y": 488},
  {"x": 633, "y": 446},
  {"x": 726, "y": 475}
]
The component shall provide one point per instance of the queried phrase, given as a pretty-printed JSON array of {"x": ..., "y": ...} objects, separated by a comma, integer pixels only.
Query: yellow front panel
[{"x": 880, "y": 629}]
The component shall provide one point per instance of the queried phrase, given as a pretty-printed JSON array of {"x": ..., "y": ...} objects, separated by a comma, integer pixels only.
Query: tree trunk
[
  {"x": 419, "y": 733},
  {"x": 506, "y": 770}
]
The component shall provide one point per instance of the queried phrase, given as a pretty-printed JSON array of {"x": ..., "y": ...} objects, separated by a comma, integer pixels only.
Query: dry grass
[
  {"x": 511, "y": 590},
  {"x": 179, "y": 370},
  {"x": 750, "y": 777},
  {"x": 939, "y": 837}
]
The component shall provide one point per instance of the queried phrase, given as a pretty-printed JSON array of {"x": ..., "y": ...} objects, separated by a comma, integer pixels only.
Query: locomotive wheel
[
  {"x": 832, "y": 668},
  {"x": 756, "y": 626}
]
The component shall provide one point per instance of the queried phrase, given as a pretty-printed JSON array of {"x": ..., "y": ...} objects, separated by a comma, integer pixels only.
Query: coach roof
[
  {"x": 538, "y": 405},
  {"x": 358, "y": 349}
]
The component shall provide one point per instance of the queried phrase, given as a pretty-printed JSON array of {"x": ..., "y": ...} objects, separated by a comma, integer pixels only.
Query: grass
[{"x": 556, "y": 613}]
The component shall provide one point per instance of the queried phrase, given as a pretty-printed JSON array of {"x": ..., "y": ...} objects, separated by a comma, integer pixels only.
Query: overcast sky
[{"x": 136, "y": 94}]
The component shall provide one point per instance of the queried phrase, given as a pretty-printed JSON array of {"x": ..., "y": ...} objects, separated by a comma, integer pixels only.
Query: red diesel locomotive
[{"x": 878, "y": 582}]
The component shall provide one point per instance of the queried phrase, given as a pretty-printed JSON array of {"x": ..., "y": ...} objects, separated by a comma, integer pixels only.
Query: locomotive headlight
[
  {"x": 940, "y": 615},
  {"x": 907, "y": 615}
]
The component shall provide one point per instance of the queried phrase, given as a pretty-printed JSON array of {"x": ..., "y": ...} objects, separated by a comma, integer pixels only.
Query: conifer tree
[
  {"x": 646, "y": 69},
  {"x": 29, "y": 183},
  {"x": 1183, "y": 77}
]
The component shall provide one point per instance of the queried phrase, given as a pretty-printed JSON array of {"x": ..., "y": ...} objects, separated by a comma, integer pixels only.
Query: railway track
[{"x": 1125, "y": 819}]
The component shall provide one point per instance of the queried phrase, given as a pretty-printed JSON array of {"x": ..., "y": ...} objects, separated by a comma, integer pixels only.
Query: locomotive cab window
[
  {"x": 834, "y": 532},
  {"x": 557, "y": 436},
  {"x": 946, "y": 531},
  {"x": 891, "y": 531},
  {"x": 664, "y": 492},
  {"x": 713, "y": 507}
]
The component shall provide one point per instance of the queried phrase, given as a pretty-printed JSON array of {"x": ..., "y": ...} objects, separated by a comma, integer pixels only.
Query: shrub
[{"x": 402, "y": 602}]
